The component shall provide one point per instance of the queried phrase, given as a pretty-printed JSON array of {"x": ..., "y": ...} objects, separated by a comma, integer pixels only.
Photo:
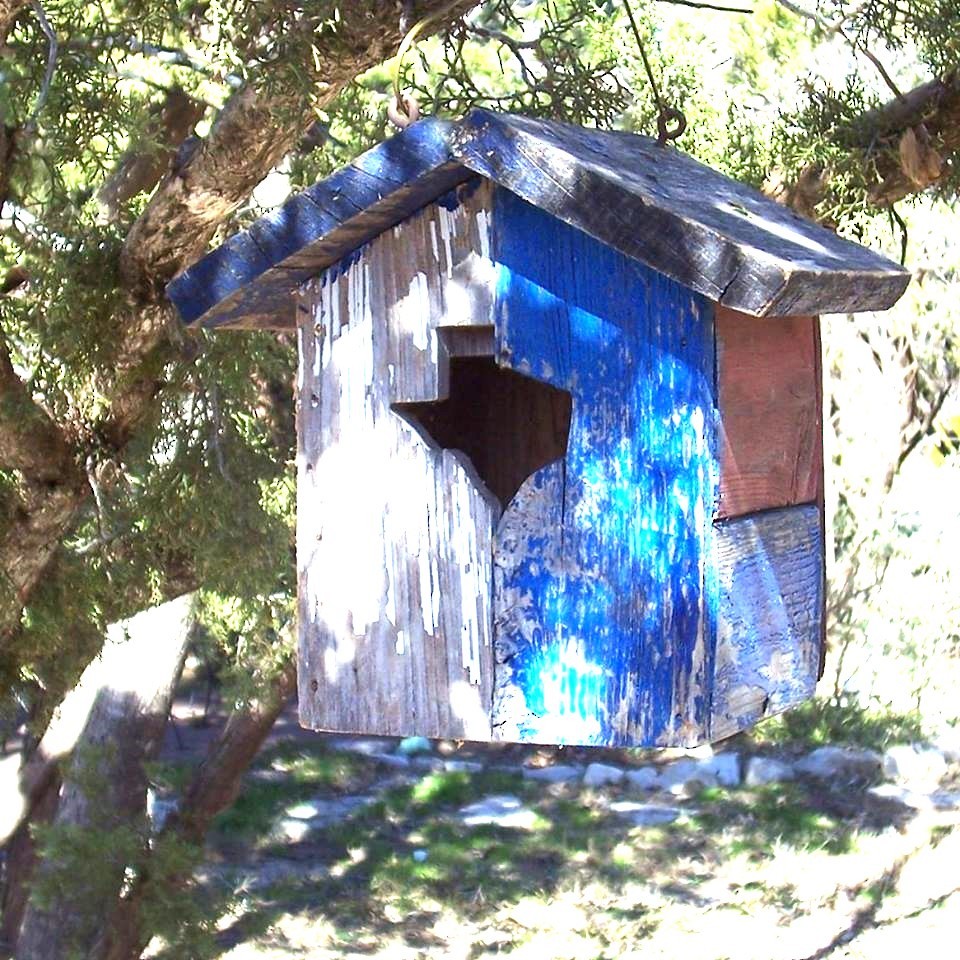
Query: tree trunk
[
  {"x": 103, "y": 799},
  {"x": 21, "y": 861},
  {"x": 213, "y": 789}
]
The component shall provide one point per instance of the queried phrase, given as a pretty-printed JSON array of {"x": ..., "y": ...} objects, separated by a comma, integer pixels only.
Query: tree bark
[
  {"x": 213, "y": 789},
  {"x": 934, "y": 107},
  {"x": 8, "y": 13},
  {"x": 104, "y": 792},
  {"x": 259, "y": 125}
]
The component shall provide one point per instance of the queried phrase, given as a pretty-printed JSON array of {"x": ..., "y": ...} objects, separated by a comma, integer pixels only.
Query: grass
[{"x": 821, "y": 722}]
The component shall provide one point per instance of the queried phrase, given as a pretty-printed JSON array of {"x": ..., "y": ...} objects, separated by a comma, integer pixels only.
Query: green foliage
[{"x": 821, "y": 722}]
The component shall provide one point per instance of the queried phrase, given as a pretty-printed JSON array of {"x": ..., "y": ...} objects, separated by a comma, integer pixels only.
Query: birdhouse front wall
[{"x": 547, "y": 494}]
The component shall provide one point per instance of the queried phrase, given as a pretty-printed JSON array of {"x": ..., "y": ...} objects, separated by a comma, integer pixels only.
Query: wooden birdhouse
[{"x": 559, "y": 417}]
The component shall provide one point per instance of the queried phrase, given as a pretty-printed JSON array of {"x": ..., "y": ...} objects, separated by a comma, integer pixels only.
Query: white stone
[
  {"x": 294, "y": 830},
  {"x": 913, "y": 799},
  {"x": 431, "y": 764},
  {"x": 390, "y": 760},
  {"x": 948, "y": 743},
  {"x": 945, "y": 799},
  {"x": 366, "y": 746},
  {"x": 645, "y": 814},
  {"x": 764, "y": 770},
  {"x": 556, "y": 774},
  {"x": 302, "y": 811},
  {"x": 499, "y": 810},
  {"x": 463, "y": 766},
  {"x": 723, "y": 770},
  {"x": 914, "y": 764},
  {"x": 726, "y": 767},
  {"x": 850, "y": 762},
  {"x": 643, "y": 778},
  {"x": 601, "y": 774}
]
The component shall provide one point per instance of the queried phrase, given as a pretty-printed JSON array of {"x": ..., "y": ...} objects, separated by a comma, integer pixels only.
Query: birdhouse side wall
[{"x": 394, "y": 534}]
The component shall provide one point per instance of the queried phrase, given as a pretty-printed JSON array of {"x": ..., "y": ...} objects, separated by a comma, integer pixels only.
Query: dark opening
[{"x": 507, "y": 424}]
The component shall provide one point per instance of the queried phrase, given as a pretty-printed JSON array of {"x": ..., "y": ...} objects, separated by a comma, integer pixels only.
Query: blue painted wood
[
  {"x": 605, "y": 603},
  {"x": 712, "y": 234},
  {"x": 248, "y": 281},
  {"x": 716, "y": 236},
  {"x": 770, "y": 569}
]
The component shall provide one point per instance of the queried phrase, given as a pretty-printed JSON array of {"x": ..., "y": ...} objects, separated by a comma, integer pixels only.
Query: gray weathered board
[{"x": 720, "y": 238}]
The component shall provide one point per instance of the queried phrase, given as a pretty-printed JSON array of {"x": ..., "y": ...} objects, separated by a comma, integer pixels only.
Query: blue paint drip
[{"x": 624, "y": 597}]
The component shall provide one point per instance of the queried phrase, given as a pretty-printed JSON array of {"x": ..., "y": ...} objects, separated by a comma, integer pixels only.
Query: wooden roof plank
[
  {"x": 716, "y": 236},
  {"x": 719, "y": 237}
]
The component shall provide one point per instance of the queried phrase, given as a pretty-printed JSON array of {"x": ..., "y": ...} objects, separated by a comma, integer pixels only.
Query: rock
[
  {"x": 294, "y": 830},
  {"x": 948, "y": 743},
  {"x": 323, "y": 811},
  {"x": 722, "y": 770},
  {"x": 159, "y": 809},
  {"x": 302, "y": 811},
  {"x": 463, "y": 766},
  {"x": 601, "y": 774},
  {"x": 431, "y": 764},
  {"x": 411, "y": 746},
  {"x": 366, "y": 746},
  {"x": 556, "y": 774},
  {"x": 843, "y": 762},
  {"x": 912, "y": 799},
  {"x": 914, "y": 764},
  {"x": 764, "y": 770},
  {"x": 390, "y": 760},
  {"x": 643, "y": 778},
  {"x": 645, "y": 814},
  {"x": 420, "y": 855},
  {"x": 499, "y": 810},
  {"x": 945, "y": 799},
  {"x": 726, "y": 767}
]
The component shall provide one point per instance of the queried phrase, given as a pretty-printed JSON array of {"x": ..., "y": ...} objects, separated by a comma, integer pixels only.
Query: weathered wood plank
[
  {"x": 771, "y": 434},
  {"x": 249, "y": 281},
  {"x": 718, "y": 237},
  {"x": 604, "y": 600},
  {"x": 770, "y": 622},
  {"x": 394, "y": 534}
]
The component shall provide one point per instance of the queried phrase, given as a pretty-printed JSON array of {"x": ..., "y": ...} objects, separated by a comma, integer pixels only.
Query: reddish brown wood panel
[{"x": 771, "y": 431}]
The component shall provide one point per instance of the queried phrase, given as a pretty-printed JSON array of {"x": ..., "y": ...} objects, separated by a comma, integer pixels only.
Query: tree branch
[
  {"x": 9, "y": 10},
  {"x": 934, "y": 109},
  {"x": 142, "y": 168},
  {"x": 29, "y": 440},
  {"x": 708, "y": 6}
]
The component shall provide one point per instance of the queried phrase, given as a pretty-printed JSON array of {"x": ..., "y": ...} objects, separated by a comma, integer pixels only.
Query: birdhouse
[{"x": 559, "y": 433}]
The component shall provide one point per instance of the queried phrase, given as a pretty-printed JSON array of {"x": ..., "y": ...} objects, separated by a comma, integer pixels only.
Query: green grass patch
[
  {"x": 821, "y": 722},
  {"x": 752, "y": 822}
]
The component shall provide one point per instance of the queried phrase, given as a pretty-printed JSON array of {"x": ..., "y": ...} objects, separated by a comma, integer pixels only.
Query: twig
[
  {"x": 708, "y": 6},
  {"x": 887, "y": 79},
  {"x": 52, "y": 50},
  {"x": 828, "y": 26}
]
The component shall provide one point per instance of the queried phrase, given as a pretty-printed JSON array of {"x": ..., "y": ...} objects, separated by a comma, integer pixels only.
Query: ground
[{"x": 339, "y": 849}]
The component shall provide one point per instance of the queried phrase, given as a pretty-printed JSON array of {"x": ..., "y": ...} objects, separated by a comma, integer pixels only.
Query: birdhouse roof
[{"x": 653, "y": 203}]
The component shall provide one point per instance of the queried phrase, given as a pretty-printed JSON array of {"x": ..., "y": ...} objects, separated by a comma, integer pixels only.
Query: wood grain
[
  {"x": 604, "y": 596},
  {"x": 394, "y": 534},
  {"x": 770, "y": 619},
  {"x": 771, "y": 433},
  {"x": 718, "y": 237}
]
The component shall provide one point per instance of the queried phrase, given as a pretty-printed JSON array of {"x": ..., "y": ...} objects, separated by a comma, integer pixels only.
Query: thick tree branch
[
  {"x": 215, "y": 786},
  {"x": 29, "y": 440},
  {"x": 9, "y": 9},
  {"x": 934, "y": 109},
  {"x": 142, "y": 168}
]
